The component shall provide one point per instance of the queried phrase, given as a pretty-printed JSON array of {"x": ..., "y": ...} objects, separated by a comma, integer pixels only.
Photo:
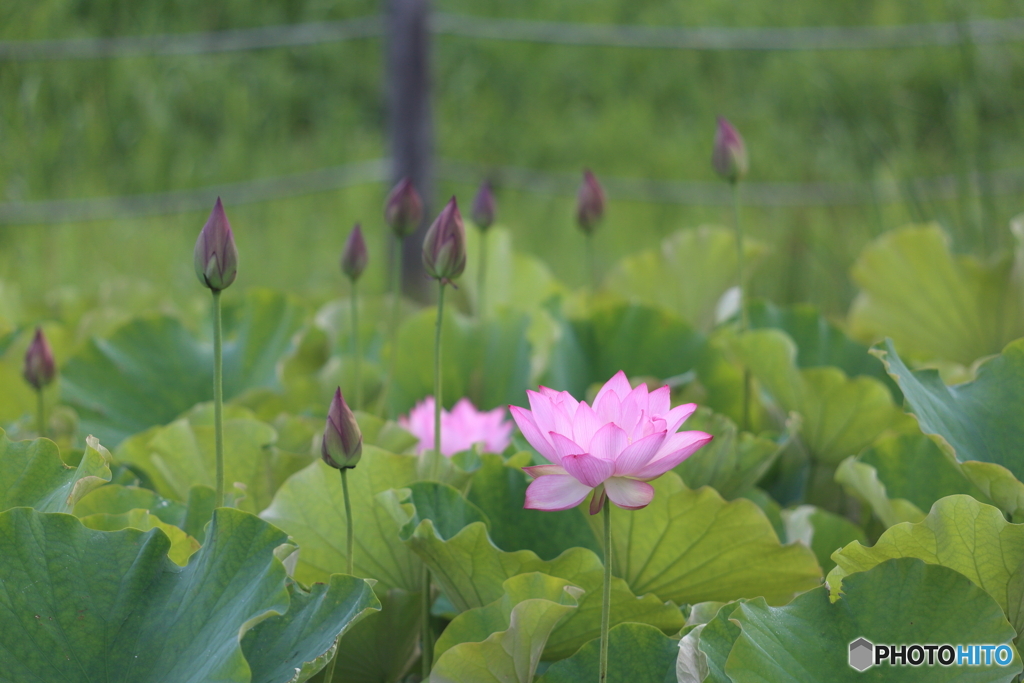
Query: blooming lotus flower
[
  {"x": 215, "y": 255},
  {"x": 589, "y": 203},
  {"x": 729, "y": 156},
  {"x": 342, "y": 445},
  {"x": 355, "y": 258},
  {"x": 461, "y": 429},
  {"x": 403, "y": 209},
  {"x": 40, "y": 367},
  {"x": 628, "y": 438}
]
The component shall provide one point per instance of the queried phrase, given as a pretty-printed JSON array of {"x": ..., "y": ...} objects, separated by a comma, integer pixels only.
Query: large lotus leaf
[
  {"x": 980, "y": 420},
  {"x": 691, "y": 546},
  {"x": 822, "y": 531},
  {"x": 153, "y": 369},
  {"x": 638, "y": 339},
  {"x": 901, "y": 601},
  {"x": 183, "y": 454},
  {"x": 486, "y": 360},
  {"x": 505, "y": 640},
  {"x": 116, "y": 499},
  {"x": 84, "y": 605},
  {"x": 716, "y": 640},
  {"x": 960, "y": 533},
  {"x": 471, "y": 571},
  {"x": 936, "y": 306},
  {"x": 691, "y": 663},
  {"x": 637, "y": 653},
  {"x": 861, "y": 481},
  {"x": 841, "y": 415},
  {"x": 292, "y": 647},
  {"x": 733, "y": 461},
  {"x": 819, "y": 343},
  {"x": 311, "y": 509},
  {"x": 688, "y": 274},
  {"x": 182, "y": 545},
  {"x": 998, "y": 485},
  {"x": 499, "y": 488},
  {"x": 442, "y": 504},
  {"x": 32, "y": 474}
]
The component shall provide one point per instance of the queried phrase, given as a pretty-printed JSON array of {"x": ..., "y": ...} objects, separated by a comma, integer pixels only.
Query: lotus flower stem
[
  {"x": 329, "y": 670},
  {"x": 481, "y": 275},
  {"x": 437, "y": 368},
  {"x": 591, "y": 267},
  {"x": 396, "y": 304},
  {"x": 218, "y": 396},
  {"x": 41, "y": 412},
  {"x": 744, "y": 322},
  {"x": 356, "y": 359},
  {"x": 606, "y": 600}
]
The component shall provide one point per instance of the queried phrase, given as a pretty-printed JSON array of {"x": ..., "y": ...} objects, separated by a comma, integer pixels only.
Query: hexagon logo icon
[{"x": 862, "y": 654}]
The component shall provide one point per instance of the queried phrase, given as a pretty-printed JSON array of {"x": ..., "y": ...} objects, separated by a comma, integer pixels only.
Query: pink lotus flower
[
  {"x": 628, "y": 438},
  {"x": 461, "y": 429}
]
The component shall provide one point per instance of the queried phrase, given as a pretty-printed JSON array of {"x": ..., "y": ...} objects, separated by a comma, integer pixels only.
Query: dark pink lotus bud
[
  {"x": 403, "y": 209},
  {"x": 729, "y": 157},
  {"x": 40, "y": 369},
  {"x": 216, "y": 258},
  {"x": 483, "y": 207},
  {"x": 589, "y": 203},
  {"x": 444, "y": 247},
  {"x": 343, "y": 442},
  {"x": 354, "y": 258}
]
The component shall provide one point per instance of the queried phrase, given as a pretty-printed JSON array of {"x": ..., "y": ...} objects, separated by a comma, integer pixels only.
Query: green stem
[
  {"x": 356, "y": 360},
  {"x": 41, "y": 413},
  {"x": 606, "y": 602},
  {"x": 744, "y": 322},
  {"x": 329, "y": 671},
  {"x": 218, "y": 397},
  {"x": 481, "y": 275},
  {"x": 427, "y": 652},
  {"x": 437, "y": 368},
  {"x": 396, "y": 308},
  {"x": 591, "y": 266}
]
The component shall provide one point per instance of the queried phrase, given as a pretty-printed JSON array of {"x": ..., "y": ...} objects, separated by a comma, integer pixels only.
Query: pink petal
[
  {"x": 563, "y": 397},
  {"x": 659, "y": 401},
  {"x": 677, "y": 448},
  {"x": 634, "y": 406},
  {"x": 537, "y": 471},
  {"x": 588, "y": 469},
  {"x": 618, "y": 385},
  {"x": 677, "y": 416},
  {"x": 628, "y": 493},
  {"x": 597, "y": 502},
  {"x": 608, "y": 442},
  {"x": 555, "y": 492},
  {"x": 638, "y": 454},
  {"x": 564, "y": 446},
  {"x": 532, "y": 433},
  {"x": 549, "y": 416},
  {"x": 608, "y": 407},
  {"x": 584, "y": 424}
]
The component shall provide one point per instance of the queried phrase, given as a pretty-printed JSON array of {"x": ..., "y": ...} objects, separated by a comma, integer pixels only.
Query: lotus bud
[
  {"x": 216, "y": 258},
  {"x": 354, "y": 258},
  {"x": 483, "y": 207},
  {"x": 342, "y": 445},
  {"x": 444, "y": 248},
  {"x": 40, "y": 368},
  {"x": 729, "y": 157},
  {"x": 589, "y": 203},
  {"x": 403, "y": 209}
]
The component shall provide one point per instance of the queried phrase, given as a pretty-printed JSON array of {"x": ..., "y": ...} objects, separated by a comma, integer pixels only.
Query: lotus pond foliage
[{"x": 654, "y": 478}]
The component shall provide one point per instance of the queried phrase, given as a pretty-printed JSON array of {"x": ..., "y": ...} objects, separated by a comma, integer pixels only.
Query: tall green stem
[
  {"x": 218, "y": 397},
  {"x": 437, "y": 368},
  {"x": 396, "y": 305},
  {"x": 427, "y": 651},
  {"x": 481, "y": 276},
  {"x": 744, "y": 322},
  {"x": 41, "y": 412},
  {"x": 329, "y": 671},
  {"x": 591, "y": 266},
  {"x": 606, "y": 601},
  {"x": 356, "y": 359}
]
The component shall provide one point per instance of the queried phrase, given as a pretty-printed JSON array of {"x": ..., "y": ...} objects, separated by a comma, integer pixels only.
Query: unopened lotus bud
[
  {"x": 483, "y": 207},
  {"x": 403, "y": 209},
  {"x": 355, "y": 257},
  {"x": 589, "y": 203},
  {"x": 40, "y": 368},
  {"x": 444, "y": 248},
  {"x": 216, "y": 258},
  {"x": 729, "y": 157},
  {"x": 342, "y": 445}
]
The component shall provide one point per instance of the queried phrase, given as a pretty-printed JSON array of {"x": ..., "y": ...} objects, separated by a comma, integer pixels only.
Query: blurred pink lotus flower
[
  {"x": 628, "y": 438},
  {"x": 461, "y": 429}
]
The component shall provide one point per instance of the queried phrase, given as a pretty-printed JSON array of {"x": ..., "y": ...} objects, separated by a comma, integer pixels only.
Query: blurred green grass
[{"x": 94, "y": 128}]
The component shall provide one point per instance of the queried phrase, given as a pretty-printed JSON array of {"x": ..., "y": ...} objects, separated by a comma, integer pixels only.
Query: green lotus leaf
[
  {"x": 861, "y": 481},
  {"x": 691, "y": 663},
  {"x": 116, "y": 499},
  {"x": 32, "y": 474},
  {"x": 442, "y": 504},
  {"x": 290, "y": 648},
  {"x": 182, "y": 545},
  {"x": 691, "y": 546},
  {"x": 969, "y": 537},
  {"x": 691, "y": 287},
  {"x": 715, "y": 642},
  {"x": 637, "y": 653},
  {"x": 806, "y": 640},
  {"x": 382, "y": 647},
  {"x": 841, "y": 415},
  {"x": 311, "y": 509},
  {"x": 998, "y": 485},
  {"x": 152, "y": 369},
  {"x": 503, "y": 641},
  {"x": 471, "y": 571},
  {"x": 822, "y": 531},
  {"x": 979, "y": 420},
  {"x": 499, "y": 488},
  {"x": 86, "y": 605}
]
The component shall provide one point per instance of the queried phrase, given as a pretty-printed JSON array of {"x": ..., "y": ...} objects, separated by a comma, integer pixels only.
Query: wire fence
[{"x": 938, "y": 34}]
